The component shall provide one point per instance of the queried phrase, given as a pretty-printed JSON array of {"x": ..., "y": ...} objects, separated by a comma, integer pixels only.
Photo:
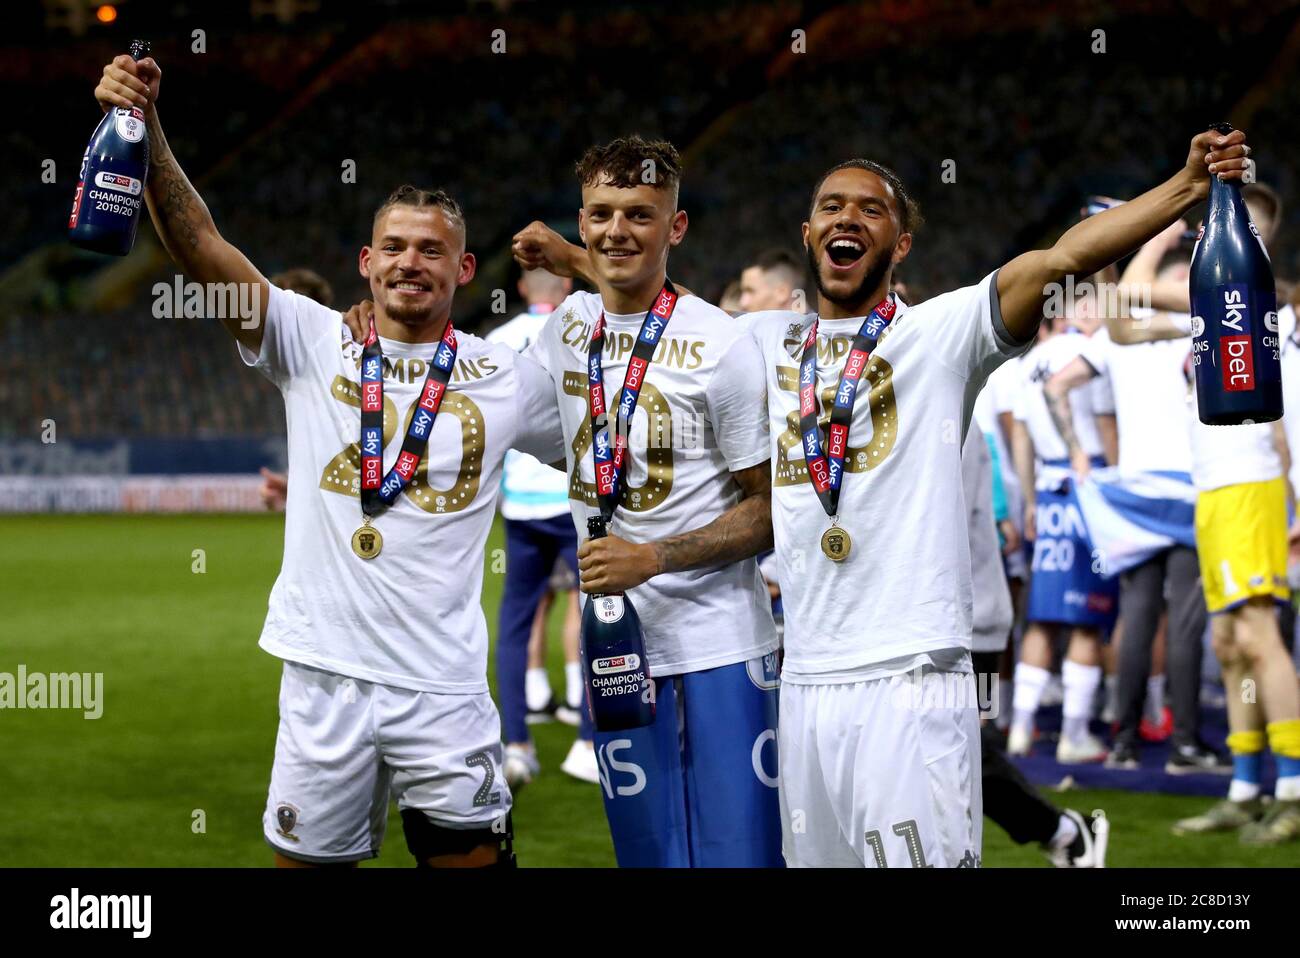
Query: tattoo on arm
[
  {"x": 180, "y": 214},
  {"x": 1063, "y": 418},
  {"x": 742, "y": 531}
]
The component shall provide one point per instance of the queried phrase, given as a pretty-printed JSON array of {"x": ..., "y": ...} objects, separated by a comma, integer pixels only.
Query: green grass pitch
[{"x": 189, "y": 716}]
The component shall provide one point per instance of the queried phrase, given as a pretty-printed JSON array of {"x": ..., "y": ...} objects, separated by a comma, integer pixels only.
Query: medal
[
  {"x": 377, "y": 493},
  {"x": 827, "y": 470},
  {"x": 836, "y": 544},
  {"x": 366, "y": 541}
]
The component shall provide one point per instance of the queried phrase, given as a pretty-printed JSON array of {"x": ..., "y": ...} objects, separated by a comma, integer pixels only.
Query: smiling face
[
  {"x": 853, "y": 239},
  {"x": 415, "y": 262},
  {"x": 628, "y": 232}
]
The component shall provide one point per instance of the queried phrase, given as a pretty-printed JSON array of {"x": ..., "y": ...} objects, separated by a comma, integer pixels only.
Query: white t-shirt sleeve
[
  {"x": 537, "y": 412},
  {"x": 1102, "y": 396},
  {"x": 293, "y": 322},
  {"x": 1094, "y": 353},
  {"x": 970, "y": 337},
  {"x": 1020, "y": 407},
  {"x": 737, "y": 404}
]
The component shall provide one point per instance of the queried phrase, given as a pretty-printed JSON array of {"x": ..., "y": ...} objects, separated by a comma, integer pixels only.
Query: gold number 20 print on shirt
[
  {"x": 342, "y": 474},
  {"x": 879, "y": 378},
  {"x": 659, "y": 451}
]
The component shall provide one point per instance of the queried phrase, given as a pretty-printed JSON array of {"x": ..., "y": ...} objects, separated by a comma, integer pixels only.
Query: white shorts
[
  {"x": 874, "y": 774},
  {"x": 344, "y": 744}
]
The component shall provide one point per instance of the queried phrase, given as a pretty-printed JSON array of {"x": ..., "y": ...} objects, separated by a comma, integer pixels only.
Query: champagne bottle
[
  {"x": 110, "y": 191},
  {"x": 620, "y": 691},
  {"x": 1235, "y": 345}
]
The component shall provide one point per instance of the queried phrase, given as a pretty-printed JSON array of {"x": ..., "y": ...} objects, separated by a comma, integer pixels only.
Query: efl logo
[
  {"x": 617, "y": 663},
  {"x": 1238, "y": 363}
]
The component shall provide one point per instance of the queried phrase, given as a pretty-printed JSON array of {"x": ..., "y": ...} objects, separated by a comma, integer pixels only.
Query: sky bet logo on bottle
[
  {"x": 116, "y": 181},
  {"x": 617, "y": 663}
]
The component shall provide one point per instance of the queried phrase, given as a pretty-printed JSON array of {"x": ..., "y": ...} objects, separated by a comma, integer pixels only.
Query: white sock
[
  {"x": 1066, "y": 832},
  {"x": 1080, "y": 683},
  {"x": 1288, "y": 788},
  {"x": 572, "y": 684},
  {"x": 537, "y": 689},
  {"x": 1239, "y": 791},
  {"x": 1030, "y": 682},
  {"x": 1155, "y": 707}
]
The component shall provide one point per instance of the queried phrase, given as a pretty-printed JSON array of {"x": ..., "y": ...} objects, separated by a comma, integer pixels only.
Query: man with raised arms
[{"x": 376, "y": 611}]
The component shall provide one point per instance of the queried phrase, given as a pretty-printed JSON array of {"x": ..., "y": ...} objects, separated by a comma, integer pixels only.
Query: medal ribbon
[
  {"x": 377, "y": 495},
  {"x": 827, "y": 470},
  {"x": 609, "y": 458}
]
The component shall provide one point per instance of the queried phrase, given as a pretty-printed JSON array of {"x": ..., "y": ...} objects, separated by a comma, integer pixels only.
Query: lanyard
[
  {"x": 377, "y": 495},
  {"x": 827, "y": 471},
  {"x": 609, "y": 459}
]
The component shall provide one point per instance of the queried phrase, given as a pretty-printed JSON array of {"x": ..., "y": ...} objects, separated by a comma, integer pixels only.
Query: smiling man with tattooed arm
[{"x": 376, "y": 610}]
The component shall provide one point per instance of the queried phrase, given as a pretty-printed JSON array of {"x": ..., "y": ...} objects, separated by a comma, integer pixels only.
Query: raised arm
[
  {"x": 1141, "y": 276},
  {"x": 178, "y": 212},
  {"x": 537, "y": 246},
  {"x": 612, "y": 564},
  {"x": 1102, "y": 239}
]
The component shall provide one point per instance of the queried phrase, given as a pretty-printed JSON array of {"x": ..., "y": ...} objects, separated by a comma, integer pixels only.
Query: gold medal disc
[
  {"x": 836, "y": 544},
  {"x": 367, "y": 542}
]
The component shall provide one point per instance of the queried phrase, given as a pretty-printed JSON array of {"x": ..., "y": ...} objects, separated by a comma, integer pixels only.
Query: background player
[
  {"x": 774, "y": 280},
  {"x": 1065, "y": 588},
  {"x": 1241, "y": 534},
  {"x": 535, "y": 507},
  {"x": 384, "y": 686}
]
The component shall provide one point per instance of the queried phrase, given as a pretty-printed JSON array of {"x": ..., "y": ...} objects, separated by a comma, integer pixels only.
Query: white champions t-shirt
[
  {"x": 1149, "y": 386},
  {"x": 1042, "y": 362},
  {"x": 905, "y": 589},
  {"x": 411, "y": 617},
  {"x": 530, "y": 490},
  {"x": 1224, "y": 455},
  {"x": 700, "y": 417}
]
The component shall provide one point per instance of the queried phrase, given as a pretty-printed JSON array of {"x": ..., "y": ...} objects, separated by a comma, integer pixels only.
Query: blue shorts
[
  {"x": 1065, "y": 584},
  {"x": 698, "y": 788}
]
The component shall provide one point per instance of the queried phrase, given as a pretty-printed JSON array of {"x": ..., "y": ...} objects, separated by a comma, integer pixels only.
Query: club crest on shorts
[
  {"x": 764, "y": 672},
  {"x": 286, "y": 816}
]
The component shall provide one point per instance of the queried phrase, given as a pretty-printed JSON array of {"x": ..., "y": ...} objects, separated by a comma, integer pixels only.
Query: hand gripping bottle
[
  {"x": 1234, "y": 315},
  {"x": 110, "y": 191},
  {"x": 620, "y": 692}
]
